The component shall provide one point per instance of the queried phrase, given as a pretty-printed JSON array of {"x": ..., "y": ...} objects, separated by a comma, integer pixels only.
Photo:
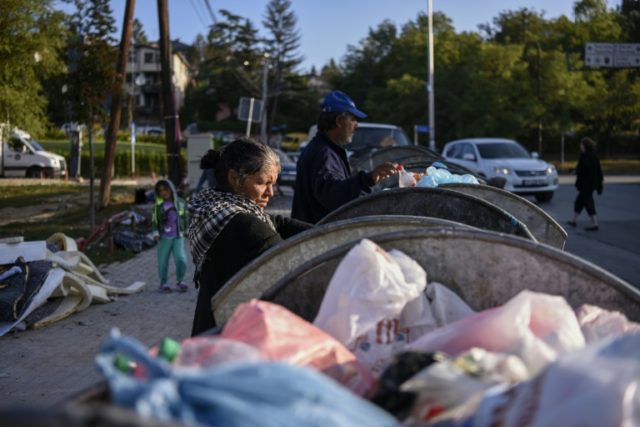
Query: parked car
[
  {"x": 524, "y": 172},
  {"x": 287, "y": 175},
  {"x": 150, "y": 130}
]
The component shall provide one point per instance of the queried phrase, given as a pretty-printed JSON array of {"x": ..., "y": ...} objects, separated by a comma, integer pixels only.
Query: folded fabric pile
[{"x": 45, "y": 281}]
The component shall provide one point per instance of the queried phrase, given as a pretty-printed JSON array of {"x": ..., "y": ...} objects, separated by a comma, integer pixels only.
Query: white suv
[{"x": 525, "y": 173}]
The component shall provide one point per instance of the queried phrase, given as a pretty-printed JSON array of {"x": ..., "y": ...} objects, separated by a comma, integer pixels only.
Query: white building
[{"x": 143, "y": 80}]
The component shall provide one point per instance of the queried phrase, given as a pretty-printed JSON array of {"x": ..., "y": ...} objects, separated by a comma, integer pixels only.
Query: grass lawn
[
  {"x": 98, "y": 146},
  {"x": 66, "y": 210}
]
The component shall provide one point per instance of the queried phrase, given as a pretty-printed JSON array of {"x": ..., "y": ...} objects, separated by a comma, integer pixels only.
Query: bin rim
[
  {"x": 617, "y": 283},
  {"x": 237, "y": 279},
  {"x": 417, "y": 190},
  {"x": 507, "y": 194}
]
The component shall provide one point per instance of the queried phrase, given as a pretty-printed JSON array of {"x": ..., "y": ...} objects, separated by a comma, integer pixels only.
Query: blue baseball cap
[{"x": 338, "y": 102}]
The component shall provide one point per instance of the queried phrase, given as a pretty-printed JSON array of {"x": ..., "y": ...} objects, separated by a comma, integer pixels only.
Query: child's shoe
[
  {"x": 182, "y": 287},
  {"x": 165, "y": 288}
]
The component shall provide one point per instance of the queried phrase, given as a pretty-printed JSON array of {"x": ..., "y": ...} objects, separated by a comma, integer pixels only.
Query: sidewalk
[{"x": 49, "y": 365}]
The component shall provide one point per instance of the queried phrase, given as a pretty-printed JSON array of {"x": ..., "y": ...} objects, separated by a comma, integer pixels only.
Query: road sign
[
  {"x": 627, "y": 55},
  {"x": 422, "y": 128},
  {"x": 612, "y": 55},
  {"x": 245, "y": 105}
]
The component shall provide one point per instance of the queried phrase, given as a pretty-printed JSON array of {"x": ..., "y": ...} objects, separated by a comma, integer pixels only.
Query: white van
[{"x": 23, "y": 156}]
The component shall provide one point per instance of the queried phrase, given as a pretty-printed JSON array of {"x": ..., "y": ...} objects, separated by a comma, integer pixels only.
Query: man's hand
[{"x": 383, "y": 171}]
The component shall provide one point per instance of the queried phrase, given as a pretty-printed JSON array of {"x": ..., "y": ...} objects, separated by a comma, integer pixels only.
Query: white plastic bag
[
  {"x": 594, "y": 387},
  {"x": 363, "y": 303},
  {"x": 375, "y": 304},
  {"x": 447, "y": 384},
  {"x": 533, "y": 326},
  {"x": 598, "y": 323}
]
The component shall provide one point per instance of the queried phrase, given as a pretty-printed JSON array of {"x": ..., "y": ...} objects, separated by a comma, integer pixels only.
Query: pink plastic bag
[
  {"x": 281, "y": 335},
  {"x": 533, "y": 326}
]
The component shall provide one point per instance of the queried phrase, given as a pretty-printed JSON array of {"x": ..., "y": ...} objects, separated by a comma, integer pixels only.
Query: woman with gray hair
[{"x": 229, "y": 226}]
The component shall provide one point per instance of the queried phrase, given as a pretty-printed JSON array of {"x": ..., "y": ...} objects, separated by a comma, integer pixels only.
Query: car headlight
[
  {"x": 551, "y": 170},
  {"x": 502, "y": 170}
]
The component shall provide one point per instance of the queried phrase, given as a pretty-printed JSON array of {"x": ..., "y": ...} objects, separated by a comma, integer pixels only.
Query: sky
[{"x": 327, "y": 27}]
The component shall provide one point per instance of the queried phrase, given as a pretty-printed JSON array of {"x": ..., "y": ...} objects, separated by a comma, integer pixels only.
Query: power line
[
  {"x": 198, "y": 14},
  {"x": 211, "y": 14}
]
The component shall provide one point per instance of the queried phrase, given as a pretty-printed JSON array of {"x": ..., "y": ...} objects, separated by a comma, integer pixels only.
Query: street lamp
[
  {"x": 432, "y": 120},
  {"x": 263, "y": 123}
]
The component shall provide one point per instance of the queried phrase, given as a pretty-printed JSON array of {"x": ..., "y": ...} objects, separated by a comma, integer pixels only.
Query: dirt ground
[{"x": 48, "y": 206}]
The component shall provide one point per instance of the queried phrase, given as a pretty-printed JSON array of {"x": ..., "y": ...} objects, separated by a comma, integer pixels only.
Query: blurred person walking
[{"x": 588, "y": 179}]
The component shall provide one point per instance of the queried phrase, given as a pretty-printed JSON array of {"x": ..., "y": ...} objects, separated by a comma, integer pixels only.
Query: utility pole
[
  {"x": 431, "y": 89},
  {"x": 168, "y": 103},
  {"x": 263, "y": 122},
  {"x": 116, "y": 108}
]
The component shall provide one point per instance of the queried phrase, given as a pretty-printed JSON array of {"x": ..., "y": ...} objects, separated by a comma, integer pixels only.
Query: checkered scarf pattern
[{"x": 209, "y": 212}]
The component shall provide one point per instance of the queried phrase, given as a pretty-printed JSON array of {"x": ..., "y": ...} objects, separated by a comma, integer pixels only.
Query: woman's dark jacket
[
  {"x": 242, "y": 239},
  {"x": 589, "y": 173}
]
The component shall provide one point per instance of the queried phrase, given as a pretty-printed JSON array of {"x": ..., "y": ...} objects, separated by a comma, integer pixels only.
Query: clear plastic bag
[{"x": 533, "y": 326}]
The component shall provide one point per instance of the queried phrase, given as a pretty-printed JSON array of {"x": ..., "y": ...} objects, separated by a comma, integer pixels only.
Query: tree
[
  {"x": 630, "y": 11},
  {"x": 282, "y": 46},
  {"x": 91, "y": 58},
  {"x": 31, "y": 39},
  {"x": 138, "y": 34}
]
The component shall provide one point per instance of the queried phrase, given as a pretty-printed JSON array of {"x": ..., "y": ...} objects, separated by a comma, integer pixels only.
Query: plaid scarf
[{"x": 210, "y": 211}]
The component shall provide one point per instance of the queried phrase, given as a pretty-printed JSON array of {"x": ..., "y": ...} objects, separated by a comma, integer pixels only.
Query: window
[
  {"x": 502, "y": 150},
  {"x": 148, "y": 58},
  {"x": 453, "y": 151},
  {"x": 17, "y": 145},
  {"x": 467, "y": 149}
]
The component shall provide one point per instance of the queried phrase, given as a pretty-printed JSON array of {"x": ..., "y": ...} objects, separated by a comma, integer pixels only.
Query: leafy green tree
[
  {"x": 282, "y": 45},
  {"x": 31, "y": 39},
  {"x": 630, "y": 11},
  {"x": 228, "y": 67},
  {"x": 91, "y": 58},
  {"x": 138, "y": 34}
]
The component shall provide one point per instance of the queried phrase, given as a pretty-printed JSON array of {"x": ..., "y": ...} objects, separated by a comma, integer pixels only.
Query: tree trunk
[
  {"x": 168, "y": 101},
  {"x": 116, "y": 107}
]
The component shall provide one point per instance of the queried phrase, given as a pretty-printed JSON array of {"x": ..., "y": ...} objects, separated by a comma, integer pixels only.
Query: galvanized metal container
[
  {"x": 272, "y": 265},
  {"x": 486, "y": 269},
  {"x": 433, "y": 202},
  {"x": 543, "y": 227}
]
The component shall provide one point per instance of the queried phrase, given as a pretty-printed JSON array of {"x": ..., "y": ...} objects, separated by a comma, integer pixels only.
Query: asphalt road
[{"x": 616, "y": 246}]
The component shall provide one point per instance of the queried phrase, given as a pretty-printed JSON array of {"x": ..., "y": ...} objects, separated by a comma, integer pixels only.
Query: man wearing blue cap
[{"x": 323, "y": 178}]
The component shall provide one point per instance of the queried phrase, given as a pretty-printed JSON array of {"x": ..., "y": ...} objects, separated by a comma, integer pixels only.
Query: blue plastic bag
[{"x": 236, "y": 394}]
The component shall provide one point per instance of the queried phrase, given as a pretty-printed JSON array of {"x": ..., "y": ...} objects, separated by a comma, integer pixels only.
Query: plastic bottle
[
  {"x": 169, "y": 349},
  {"x": 405, "y": 179},
  {"x": 128, "y": 366}
]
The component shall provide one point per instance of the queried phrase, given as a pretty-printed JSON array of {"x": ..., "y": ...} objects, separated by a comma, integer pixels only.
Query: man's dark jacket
[{"x": 324, "y": 181}]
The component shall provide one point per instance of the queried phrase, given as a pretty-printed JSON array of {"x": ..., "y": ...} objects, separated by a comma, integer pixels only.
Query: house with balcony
[{"x": 143, "y": 81}]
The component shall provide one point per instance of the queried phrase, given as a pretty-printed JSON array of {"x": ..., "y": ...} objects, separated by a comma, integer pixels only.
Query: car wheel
[
  {"x": 544, "y": 197},
  {"x": 35, "y": 172}
]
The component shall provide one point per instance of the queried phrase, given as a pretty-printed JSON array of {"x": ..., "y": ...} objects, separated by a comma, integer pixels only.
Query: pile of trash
[
  {"x": 389, "y": 348},
  {"x": 436, "y": 174},
  {"x": 42, "y": 282}
]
